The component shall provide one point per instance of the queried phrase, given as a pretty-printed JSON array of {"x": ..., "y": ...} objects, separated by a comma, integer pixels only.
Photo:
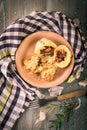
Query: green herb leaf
[{"x": 64, "y": 111}]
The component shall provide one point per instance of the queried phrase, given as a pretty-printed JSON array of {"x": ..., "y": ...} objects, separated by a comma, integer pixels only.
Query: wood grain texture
[{"x": 11, "y": 10}]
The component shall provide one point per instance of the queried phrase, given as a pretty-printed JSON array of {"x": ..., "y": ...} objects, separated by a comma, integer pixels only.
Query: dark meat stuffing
[
  {"x": 47, "y": 50},
  {"x": 60, "y": 55}
]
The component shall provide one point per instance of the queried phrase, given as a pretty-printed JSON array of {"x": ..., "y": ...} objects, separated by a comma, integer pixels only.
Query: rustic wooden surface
[{"x": 11, "y": 10}]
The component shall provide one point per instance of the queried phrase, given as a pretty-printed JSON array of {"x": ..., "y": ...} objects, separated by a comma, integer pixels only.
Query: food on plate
[
  {"x": 47, "y": 58},
  {"x": 62, "y": 56},
  {"x": 46, "y": 69},
  {"x": 48, "y": 72},
  {"x": 42, "y": 62},
  {"x": 32, "y": 63},
  {"x": 45, "y": 47}
]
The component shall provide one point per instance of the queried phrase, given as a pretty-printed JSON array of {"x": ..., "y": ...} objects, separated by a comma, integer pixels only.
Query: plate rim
[{"x": 36, "y": 85}]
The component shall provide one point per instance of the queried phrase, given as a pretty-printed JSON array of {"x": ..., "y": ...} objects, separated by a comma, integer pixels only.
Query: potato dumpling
[
  {"x": 62, "y": 56},
  {"x": 45, "y": 47}
]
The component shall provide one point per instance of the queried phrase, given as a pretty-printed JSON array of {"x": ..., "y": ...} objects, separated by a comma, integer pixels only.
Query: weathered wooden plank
[
  {"x": 11, "y": 10},
  {"x": 34, "y": 5},
  {"x": 2, "y": 16}
]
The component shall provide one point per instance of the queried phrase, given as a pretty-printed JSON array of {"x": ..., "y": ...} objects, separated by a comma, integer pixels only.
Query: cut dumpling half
[
  {"x": 62, "y": 56},
  {"x": 45, "y": 47}
]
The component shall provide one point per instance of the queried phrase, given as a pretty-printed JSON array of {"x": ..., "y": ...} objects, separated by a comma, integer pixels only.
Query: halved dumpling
[
  {"x": 62, "y": 56},
  {"x": 45, "y": 47}
]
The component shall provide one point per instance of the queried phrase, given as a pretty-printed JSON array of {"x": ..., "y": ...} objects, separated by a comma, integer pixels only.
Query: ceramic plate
[{"x": 26, "y": 50}]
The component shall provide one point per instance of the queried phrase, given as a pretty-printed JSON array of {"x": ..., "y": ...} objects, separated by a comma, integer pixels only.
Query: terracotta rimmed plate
[{"x": 26, "y": 49}]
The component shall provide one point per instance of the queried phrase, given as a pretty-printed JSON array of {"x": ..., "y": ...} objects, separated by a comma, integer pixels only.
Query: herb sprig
[{"x": 64, "y": 111}]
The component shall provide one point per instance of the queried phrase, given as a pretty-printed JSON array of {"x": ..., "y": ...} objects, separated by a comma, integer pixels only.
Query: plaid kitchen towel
[{"x": 15, "y": 94}]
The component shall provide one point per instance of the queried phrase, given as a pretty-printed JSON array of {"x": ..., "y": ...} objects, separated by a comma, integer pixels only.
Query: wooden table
[{"x": 11, "y": 10}]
